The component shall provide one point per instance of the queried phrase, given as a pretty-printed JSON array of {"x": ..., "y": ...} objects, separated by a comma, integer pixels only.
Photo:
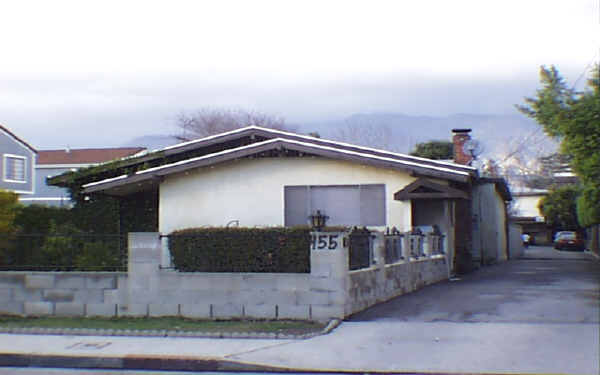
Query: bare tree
[
  {"x": 366, "y": 134},
  {"x": 518, "y": 158},
  {"x": 209, "y": 121}
]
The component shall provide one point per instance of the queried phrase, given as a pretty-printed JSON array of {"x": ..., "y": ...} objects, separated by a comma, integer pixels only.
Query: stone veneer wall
[
  {"x": 381, "y": 282},
  {"x": 328, "y": 291}
]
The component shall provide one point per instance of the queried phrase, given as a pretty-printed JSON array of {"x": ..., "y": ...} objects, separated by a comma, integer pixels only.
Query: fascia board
[{"x": 259, "y": 147}]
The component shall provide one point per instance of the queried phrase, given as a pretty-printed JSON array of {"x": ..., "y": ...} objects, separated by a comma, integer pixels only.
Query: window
[
  {"x": 344, "y": 204},
  {"x": 14, "y": 168}
]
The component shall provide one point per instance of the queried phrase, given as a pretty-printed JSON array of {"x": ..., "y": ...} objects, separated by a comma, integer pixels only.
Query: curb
[
  {"x": 148, "y": 362},
  {"x": 331, "y": 325},
  {"x": 131, "y": 362}
]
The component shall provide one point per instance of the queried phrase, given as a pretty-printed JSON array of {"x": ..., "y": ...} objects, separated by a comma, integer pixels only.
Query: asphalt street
[{"x": 540, "y": 314}]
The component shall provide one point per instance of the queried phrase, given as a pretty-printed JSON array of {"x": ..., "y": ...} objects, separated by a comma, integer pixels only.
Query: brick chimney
[{"x": 458, "y": 139}]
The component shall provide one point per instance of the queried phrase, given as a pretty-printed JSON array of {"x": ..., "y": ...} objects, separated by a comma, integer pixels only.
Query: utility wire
[{"x": 585, "y": 70}]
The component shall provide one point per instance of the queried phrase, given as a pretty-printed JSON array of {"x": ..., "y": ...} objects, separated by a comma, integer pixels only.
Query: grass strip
[{"x": 165, "y": 323}]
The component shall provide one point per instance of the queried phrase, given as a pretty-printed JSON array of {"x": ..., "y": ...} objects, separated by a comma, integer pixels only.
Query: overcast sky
[{"x": 93, "y": 74}]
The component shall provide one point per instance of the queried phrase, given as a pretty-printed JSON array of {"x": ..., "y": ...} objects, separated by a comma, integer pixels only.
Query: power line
[{"x": 585, "y": 70}]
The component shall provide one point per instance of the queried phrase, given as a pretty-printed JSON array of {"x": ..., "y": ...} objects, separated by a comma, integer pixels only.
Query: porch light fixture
[{"x": 318, "y": 220}]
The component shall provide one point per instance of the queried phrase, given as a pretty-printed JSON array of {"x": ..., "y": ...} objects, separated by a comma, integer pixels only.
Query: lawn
[{"x": 165, "y": 323}]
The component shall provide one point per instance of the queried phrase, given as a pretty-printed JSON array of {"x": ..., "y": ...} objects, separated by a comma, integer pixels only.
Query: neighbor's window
[
  {"x": 344, "y": 204},
  {"x": 14, "y": 168}
]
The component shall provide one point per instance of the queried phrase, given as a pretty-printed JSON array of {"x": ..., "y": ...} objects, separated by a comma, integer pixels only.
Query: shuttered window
[
  {"x": 346, "y": 205},
  {"x": 14, "y": 168}
]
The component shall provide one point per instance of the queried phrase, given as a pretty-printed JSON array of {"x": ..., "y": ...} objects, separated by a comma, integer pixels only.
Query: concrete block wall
[
  {"x": 330, "y": 290},
  {"x": 319, "y": 295},
  {"x": 59, "y": 293}
]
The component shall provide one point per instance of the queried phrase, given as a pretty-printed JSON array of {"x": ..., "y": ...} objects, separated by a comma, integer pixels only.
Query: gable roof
[
  {"x": 151, "y": 176},
  {"x": 266, "y": 133},
  {"x": 253, "y": 140},
  {"x": 425, "y": 189},
  {"x": 13, "y": 136},
  {"x": 86, "y": 155},
  {"x": 252, "y": 134}
]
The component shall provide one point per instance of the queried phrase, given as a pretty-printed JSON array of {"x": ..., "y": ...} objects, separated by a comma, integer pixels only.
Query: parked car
[
  {"x": 560, "y": 233},
  {"x": 569, "y": 241}
]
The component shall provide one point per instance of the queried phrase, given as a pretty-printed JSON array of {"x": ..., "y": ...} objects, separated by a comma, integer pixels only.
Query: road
[{"x": 539, "y": 314}]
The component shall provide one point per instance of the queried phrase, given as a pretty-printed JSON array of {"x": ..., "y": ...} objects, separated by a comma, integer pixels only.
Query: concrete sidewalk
[
  {"x": 119, "y": 352},
  {"x": 364, "y": 346}
]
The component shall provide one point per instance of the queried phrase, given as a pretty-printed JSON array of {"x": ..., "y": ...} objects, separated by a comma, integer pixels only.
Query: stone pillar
[
  {"x": 378, "y": 249},
  {"x": 165, "y": 253},
  {"x": 145, "y": 252},
  {"x": 329, "y": 265},
  {"x": 427, "y": 244},
  {"x": 379, "y": 257}
]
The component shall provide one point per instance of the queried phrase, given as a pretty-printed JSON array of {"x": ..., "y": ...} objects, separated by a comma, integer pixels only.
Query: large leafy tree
[
  {"x": 438, "y": 150},
  {"x": 559, "y": 208},
  {"x": 574, "y": 119}
]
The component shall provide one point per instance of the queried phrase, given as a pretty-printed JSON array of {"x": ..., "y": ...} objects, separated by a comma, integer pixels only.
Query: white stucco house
[{"x": 262, "y": 177}]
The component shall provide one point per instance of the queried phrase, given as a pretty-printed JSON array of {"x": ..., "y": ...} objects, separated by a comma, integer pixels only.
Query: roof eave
[{"x": 253, "y": 149}]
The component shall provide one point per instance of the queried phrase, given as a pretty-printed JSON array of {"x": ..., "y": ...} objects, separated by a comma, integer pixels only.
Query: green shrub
[
  {"x": 58, "y": 239},
  {"x": 9, "y": 208},
  {"x": 62, "y": 244},
  {"x": 279, "y": 250},
  {"x": 99, "y": 256},
  {"x": 36, "y": 219}
]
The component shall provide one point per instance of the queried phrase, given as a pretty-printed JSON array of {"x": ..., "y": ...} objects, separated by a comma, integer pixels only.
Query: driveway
[
  {"x": 539, "y": 314},
  {"x": 544, "y": 286}
]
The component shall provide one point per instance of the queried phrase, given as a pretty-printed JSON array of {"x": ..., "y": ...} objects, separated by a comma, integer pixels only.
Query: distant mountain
[
  {"x": 493, "y": 131},
  {"x": 402, "y": 132},
  {"x": 152, "y": 142}
]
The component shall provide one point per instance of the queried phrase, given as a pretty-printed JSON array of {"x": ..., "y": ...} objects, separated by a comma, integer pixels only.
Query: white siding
[
  {"x": 527, "y": 206},
  {"x": 252, "y": 191}
]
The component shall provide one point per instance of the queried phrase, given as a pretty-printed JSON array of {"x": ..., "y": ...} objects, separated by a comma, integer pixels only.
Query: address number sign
[{"x": 325, "y": 242}]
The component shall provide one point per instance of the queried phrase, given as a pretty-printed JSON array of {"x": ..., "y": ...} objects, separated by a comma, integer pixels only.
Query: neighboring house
[
  {"x": 263, "y": 177},
  {"x": 525, "y": 212},
  {"x": 17, "y": 160},
  {"x": 55, "y": 162},
  {"x": 555, "y": 171}
]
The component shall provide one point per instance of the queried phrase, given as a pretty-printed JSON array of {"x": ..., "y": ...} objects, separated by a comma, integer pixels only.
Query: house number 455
[{"x": 324, "y": 242}]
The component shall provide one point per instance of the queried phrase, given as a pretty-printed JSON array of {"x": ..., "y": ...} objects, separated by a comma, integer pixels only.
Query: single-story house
[{"x": 255, "y": 176}]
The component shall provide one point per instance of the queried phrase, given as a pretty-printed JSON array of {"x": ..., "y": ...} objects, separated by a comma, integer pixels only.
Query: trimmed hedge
[{"x": 276, "y": 250}]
